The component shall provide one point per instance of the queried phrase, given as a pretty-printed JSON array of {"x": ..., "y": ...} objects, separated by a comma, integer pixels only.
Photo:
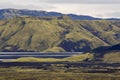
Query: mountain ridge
[{"x": 12, "y": 13}]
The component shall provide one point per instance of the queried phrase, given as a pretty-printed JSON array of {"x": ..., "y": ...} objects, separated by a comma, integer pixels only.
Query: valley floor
[{"x": 59, "y": 71}]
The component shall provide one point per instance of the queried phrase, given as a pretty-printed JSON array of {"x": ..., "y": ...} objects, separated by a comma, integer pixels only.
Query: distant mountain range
[{"x": 11, "y": 13}]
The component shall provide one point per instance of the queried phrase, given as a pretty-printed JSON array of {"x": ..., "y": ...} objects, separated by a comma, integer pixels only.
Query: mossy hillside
[
  {"x": 9, "y": 28},
  {"x": 116, "y": 23},
  {"x": 45, "y": 33},
  {"x": 38, "y": 36},
  {"x": 78, "y": 38},
  {"x": 35, "y": 36},
  {"x": 82, "y": 39},
  {"x": 104, "y": 29}
]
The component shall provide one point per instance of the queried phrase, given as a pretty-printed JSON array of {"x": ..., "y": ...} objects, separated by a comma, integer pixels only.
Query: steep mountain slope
[
  {"x": 56, "y": 34},
  {"x": 106, "y": 30},
  {"x": 12, "y": 13}
]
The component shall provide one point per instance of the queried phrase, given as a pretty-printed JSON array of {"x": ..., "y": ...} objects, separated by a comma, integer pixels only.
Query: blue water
[{"x": 15, "y": 55}]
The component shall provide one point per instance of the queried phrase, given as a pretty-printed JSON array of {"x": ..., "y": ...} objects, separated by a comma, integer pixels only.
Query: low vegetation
[
  {"x": 76, "y": 58},
  {"x": 60, "y": 71},
  {"x": 79, "y": 58},
  {"x": 32, "y": 59},
  {"x": 112, "y": 57},
  {"x": 56, "y": 34}
]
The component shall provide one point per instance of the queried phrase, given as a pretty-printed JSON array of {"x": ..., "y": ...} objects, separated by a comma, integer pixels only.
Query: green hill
[
  {"x": 56, "y": 34},
  {"x": 75, "y": 58}
]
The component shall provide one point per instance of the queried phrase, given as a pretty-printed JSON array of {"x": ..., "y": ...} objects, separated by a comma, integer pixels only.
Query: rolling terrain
[
  {"x": 55, "y": 46},
  {"x": 57, "y": 34}
]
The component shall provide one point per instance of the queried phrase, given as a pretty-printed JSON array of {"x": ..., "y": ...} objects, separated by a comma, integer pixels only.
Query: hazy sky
[{"x": 96, "y": 8}]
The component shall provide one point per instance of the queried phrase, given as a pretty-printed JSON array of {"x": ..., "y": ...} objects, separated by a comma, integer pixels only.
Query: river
[{"x": 15, "y": 55}]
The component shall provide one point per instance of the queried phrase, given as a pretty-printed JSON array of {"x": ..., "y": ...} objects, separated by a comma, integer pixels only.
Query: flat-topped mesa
[{"x": 45, "y": 18}]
